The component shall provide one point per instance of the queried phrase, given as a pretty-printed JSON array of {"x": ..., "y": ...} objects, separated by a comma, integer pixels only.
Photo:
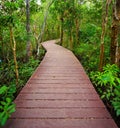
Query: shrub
[
  {"x": 108, "y": 85},
  {"x": 116, "y": 100},
  {"x": 7, "y": 107}
]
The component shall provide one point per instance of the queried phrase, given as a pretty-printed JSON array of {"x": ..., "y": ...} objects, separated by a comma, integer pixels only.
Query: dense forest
[{"x": 89, "y": 28}]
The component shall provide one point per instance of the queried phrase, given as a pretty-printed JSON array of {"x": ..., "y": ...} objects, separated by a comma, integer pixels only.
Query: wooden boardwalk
[{"x": 59, "y": 95}]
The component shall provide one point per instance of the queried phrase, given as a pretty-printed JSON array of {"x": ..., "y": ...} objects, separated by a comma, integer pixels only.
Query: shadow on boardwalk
[{"x": 59, "y": 95}]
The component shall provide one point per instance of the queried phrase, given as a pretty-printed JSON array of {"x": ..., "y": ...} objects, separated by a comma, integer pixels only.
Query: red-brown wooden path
[{"x": 59, "y": 95}]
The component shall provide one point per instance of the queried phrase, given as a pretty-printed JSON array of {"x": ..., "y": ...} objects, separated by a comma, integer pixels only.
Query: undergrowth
[
  {"x": 108, "y": 85},
  {"x": 8, "y": 88}
]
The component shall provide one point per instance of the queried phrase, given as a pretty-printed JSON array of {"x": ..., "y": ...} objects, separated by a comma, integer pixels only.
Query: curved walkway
[{"x": 59, "y": 95}]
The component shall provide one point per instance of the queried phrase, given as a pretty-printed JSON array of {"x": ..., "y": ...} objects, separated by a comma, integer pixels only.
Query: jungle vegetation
[{"x": 90, "y": 28}]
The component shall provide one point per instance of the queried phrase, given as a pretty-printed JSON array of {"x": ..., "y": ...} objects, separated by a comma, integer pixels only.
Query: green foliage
[
  {"x": 106, "y": 81},
  {"x": 116, "y": 100},
  {"x": 12, "y": 13},
  {"x": 88, "y": 49},
  {"x": 34, "y": 7},
  {"x": 108, "y": 85},
  {"x": 68, "y": 13},
  {"x": 26, "y": 70},
  {"x": 7, "y": 72},
  {"x": 8, "y": 92},
  {"x": 7, "y": 107},
  {"x": 8, "y": 10},
  {"x": 90, "y": 33},
  {"x": 3, "y": 90},
  {"x": 87, "y": 54}
]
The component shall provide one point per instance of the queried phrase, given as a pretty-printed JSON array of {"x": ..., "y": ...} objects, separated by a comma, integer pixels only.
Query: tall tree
[
  {"x": 61, "y": 28},
  {"x": 8, "y": 14},
  {"x": 13, "y": 46},
  {"x": 114, "y": 49},
  {"x": 28, "y": 47},
  {"x": 43, "y": 26},
  {"x": 69, "y": 21},
  {"x": 60, "y": 8},
  {"x": 104, "y": 24}
]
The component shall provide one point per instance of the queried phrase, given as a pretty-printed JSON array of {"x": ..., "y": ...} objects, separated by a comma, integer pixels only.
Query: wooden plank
[
  {"x": 57, "y": 104},
  {"x": 61, "y": 123},
  {"x": 72, "y": 113},
  {"x": 33, "y": 96}
]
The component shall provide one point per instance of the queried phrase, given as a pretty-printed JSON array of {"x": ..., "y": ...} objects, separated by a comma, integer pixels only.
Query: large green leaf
[{"x": 3, "y": 89}]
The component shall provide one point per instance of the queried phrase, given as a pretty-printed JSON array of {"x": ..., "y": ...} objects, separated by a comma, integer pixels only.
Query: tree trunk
[
  {"x": 58, "y": 30},
  {"x": 61, "y": 31},
  {"x": 70, "y": 41},
  {"x": 77, "y": 31},
  {"x": 13, "y": 46},
  {"x": 114, "y": 49},
  {"x": 2, "y": 44},
  {"x": 101, "y": 63},
  {"x": 43, "y": 27},
  {"x": 77, "y": 22},
  {"x": 104, "y": 24},
  {"x": 28, "y": 47}
]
